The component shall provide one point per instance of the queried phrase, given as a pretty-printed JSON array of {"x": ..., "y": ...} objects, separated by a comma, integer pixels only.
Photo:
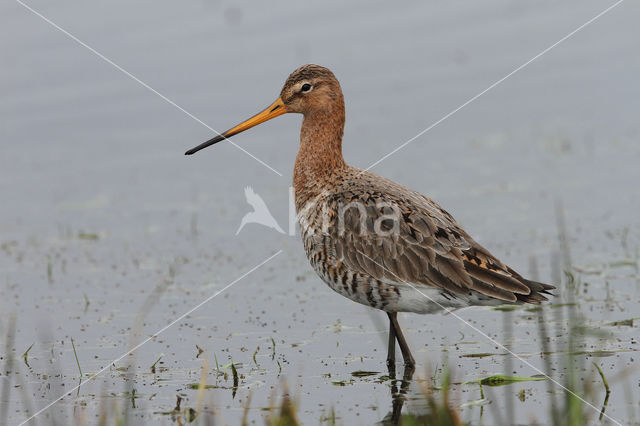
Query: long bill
[{"x": 272, "y": 111}]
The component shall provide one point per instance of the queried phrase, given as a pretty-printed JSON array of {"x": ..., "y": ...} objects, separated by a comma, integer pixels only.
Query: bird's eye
[{"x": 306, "y": 87}]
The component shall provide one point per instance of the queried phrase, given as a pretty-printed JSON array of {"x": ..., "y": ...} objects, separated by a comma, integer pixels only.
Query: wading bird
[{"x": 370, "y": 239}]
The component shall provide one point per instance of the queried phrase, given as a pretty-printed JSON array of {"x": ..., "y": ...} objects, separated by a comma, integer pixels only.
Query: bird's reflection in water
[
  {"x": 399, "y": 390},
  {"x": 434, "y": 410}
]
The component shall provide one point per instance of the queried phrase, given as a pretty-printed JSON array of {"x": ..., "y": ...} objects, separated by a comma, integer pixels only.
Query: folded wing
[{"x": 413, "y": 240}]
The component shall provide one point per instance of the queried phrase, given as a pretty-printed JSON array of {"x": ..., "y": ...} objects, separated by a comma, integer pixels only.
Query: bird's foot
[
  {"x": 391, "y": 366},
  {"x": 409, "y": 367}
]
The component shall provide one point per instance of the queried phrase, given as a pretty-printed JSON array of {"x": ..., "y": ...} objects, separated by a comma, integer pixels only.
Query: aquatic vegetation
[{"x": 501, "y": 380}]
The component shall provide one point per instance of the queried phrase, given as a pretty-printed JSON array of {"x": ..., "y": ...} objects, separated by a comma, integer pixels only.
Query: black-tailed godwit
[{"x": 370, "y": 239}]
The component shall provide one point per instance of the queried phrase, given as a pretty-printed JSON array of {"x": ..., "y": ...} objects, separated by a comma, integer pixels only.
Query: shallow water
[{"x": 107, "y": 229}]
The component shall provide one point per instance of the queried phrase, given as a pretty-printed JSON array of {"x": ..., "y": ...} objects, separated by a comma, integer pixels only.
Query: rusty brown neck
[{"x": 319, "y": 159}]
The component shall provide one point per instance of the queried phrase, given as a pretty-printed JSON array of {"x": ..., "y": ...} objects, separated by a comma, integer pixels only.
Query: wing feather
[{"x": 429, "y": 247}]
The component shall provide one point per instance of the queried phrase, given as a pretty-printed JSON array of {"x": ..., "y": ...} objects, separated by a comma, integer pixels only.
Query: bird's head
[{"x": 309, "y": 89}]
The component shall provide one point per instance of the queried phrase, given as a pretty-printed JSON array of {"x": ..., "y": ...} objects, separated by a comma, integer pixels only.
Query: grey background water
[{"x": 100, "y": 204}]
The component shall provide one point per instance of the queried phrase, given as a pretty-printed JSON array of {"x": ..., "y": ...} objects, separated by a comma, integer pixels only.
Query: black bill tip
[{"x": 205, "y": 144}]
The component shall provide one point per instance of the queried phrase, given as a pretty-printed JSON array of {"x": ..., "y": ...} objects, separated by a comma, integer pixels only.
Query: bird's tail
[{"x": 538, "y": 294}]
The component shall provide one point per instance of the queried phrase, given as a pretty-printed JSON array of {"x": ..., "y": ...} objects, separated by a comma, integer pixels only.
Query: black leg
[
  {"x": 409, "y": 362},
  {"x": 391, "y": 354}
]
